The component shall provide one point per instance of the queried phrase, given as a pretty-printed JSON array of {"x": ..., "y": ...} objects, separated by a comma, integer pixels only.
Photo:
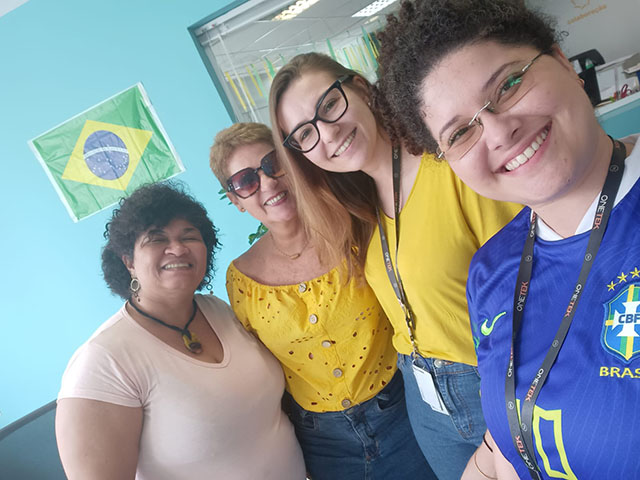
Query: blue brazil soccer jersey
[{"x": 587, "y": 416}]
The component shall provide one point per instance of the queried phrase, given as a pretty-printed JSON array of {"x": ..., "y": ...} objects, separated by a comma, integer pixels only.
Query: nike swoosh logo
[{"x": 487, "y": 329}]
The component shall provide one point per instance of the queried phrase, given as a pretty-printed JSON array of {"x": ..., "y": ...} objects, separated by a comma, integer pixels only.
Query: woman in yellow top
[
  {"x": 329, "y": 130},
  {"x": 327, "y": 328}
]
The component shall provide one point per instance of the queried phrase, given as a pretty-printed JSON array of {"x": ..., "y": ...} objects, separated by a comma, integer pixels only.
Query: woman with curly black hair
[
  {"x": 342, "y": 162},
  {"x": 171, "y": 386},
  {"x": 554, "y": 296}
]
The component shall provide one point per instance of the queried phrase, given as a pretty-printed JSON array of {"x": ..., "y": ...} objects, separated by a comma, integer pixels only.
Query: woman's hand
[
  {"x": 98, "y": 440},
  {"x": 488, "y": 463}
]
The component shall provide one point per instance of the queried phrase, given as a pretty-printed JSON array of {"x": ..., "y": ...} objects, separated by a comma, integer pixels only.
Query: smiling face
[
  {"x": 346, "y": 145},
  {"x": 272, "y": 202},
  {"x": 168, "y": 260},
  {"x": 536, "y": 151}
]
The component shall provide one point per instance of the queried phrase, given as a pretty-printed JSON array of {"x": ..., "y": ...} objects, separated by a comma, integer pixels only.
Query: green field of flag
[{"x": 106, "y": 152}]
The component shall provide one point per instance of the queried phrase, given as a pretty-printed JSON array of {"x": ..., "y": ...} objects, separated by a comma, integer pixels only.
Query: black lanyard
[
  {"x": 521, "y": 432},
  {"x": 394, "y": 273}
]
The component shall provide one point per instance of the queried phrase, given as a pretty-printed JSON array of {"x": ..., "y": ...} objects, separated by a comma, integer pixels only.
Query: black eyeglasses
[
  {"x": 508, "y": 92},
  {"x": 330, "y": 108},
  {"x": 246, "y": 182}
]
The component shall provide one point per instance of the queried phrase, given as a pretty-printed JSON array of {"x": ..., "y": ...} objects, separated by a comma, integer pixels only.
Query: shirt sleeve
[
  {"x": 93, "y": 373},
  {"x": 484, "y": 216},
  {"x": 470, "y": 291},
  {"x": 237, "y": 300}
]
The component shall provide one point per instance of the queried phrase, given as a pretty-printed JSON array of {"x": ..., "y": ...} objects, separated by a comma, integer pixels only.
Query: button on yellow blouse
[{"x": 332, "y": 339}]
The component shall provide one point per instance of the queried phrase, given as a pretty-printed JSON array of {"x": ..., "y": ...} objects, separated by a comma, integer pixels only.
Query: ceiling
[
  {"x": 7, "y": 5},
  {"x": 240, "y": 39}
]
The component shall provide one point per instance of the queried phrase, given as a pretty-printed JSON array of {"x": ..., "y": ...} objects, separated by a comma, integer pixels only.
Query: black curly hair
[
  {"x": 423, "y": 32},
  {"x": 155, "y": 205}
]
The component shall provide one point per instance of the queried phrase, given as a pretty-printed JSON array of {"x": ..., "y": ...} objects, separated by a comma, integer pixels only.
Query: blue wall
[{"x": 57, "y": 59}]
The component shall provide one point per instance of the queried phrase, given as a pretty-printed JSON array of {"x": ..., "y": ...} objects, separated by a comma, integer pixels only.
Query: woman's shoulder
[
  {"x": 223, "y": 320},
  {"x": 506, "y": 242},
  {"x": 252, "y": 261},
  {"x": 242, "y": 274},
  {"x": 252, "y": 269},
  {"x": 105, "y": 367},
  {"x": 217, "y": 312},
  {"x": 212, "y": 306},
  {"x": 110, "y": 333},
  {"x": 251, "y": 253},
  {"x": 434, "y": 177},
  {"x": 119, "y": 339}
]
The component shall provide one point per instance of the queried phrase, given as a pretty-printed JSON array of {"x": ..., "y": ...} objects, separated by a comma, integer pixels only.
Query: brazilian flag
[{"x": 106, "y": 152}]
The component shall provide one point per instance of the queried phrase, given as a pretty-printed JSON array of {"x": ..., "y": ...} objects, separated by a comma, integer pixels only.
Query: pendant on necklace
[
  {"x": 294, "y": 256},
  {"x": 191, "y": 342}
]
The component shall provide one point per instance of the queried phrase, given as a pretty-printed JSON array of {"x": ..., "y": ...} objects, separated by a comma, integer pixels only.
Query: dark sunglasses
[{"x": 246, "y": 182}]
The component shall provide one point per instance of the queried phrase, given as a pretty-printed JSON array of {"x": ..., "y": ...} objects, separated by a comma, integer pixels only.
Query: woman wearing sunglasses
[
  {"x": 345, "y": 398},
  {"x": 553, "y": 297},
  {"x": 346, "y": 169}
]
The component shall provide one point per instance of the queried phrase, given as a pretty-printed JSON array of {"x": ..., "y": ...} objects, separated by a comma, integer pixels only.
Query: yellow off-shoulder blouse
[{"x": 332, "y": 338}]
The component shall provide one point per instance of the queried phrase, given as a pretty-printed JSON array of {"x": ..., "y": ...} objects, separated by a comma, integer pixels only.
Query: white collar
[{"x": 629, "y": 178}]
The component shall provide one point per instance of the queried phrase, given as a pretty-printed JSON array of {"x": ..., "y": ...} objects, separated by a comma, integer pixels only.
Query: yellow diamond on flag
[{"x": 106, "y": 154}]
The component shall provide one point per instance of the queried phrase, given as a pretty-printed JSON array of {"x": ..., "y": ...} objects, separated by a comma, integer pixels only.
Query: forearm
[
  {"x": 488, "y": 463},
  {"x": 481, "y": 465}
]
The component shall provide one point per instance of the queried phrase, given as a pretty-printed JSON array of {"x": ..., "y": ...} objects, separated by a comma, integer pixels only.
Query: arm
[
  {"x": 488, "y": 463},
  {"x": 237, "y": 300},
  {"x": 98, "y": 440}
]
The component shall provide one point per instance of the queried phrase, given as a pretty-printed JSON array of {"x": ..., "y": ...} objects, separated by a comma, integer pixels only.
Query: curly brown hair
[{"x": 422, "y": 33}]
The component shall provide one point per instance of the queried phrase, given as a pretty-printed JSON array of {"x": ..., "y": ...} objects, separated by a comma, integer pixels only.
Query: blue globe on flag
[{"x": 106, "y": 155}]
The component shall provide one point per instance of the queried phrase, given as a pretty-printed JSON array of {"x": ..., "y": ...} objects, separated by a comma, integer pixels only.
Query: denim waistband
[{"x": 436, "y": 365}]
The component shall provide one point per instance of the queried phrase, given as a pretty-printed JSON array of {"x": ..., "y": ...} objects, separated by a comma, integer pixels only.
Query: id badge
[{"x": 428, "y": 390}]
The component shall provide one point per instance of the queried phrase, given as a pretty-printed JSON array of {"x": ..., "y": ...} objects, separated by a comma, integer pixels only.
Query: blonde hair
[
  {"x": 338, "y": 209},
  {"x": 227, "y": 140}
]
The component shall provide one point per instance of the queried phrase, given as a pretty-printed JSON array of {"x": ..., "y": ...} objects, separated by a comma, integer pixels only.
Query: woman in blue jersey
[{"x": 554, "y": 298}]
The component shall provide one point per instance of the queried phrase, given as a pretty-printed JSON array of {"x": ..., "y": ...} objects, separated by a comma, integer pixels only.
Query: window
[{"x": 244, "y": 45}]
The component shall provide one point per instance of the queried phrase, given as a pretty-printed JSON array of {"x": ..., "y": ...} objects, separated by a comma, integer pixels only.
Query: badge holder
[{"x": 428, "y": 390}]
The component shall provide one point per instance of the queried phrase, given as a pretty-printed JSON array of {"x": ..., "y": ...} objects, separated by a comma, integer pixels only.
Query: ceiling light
[
  {"x": 373, "y": 8},
  {"x": 294, "y": 9}
]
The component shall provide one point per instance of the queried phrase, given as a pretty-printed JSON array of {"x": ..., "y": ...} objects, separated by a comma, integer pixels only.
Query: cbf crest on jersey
[{"x": 621, "y": 330}]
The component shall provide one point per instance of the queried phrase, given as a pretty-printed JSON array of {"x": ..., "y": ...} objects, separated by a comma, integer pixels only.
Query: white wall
[{"x": 610, "y": 26}]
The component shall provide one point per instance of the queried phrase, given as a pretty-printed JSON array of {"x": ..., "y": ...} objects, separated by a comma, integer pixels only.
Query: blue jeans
[
  {"x": 447, "y": 441},
  {"x": 372, "y": 440}
]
